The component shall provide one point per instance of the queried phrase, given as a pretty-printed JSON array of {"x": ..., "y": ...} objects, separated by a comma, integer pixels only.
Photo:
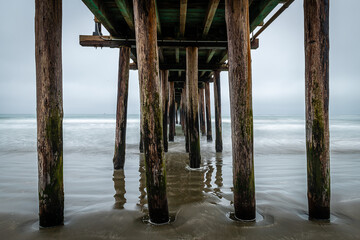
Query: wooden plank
[
  {"x": 151, "y": 114},
  {"x": 316, "y": 18},
  {"x": 126, "y": 12},
  {"x": 121, "y": 109},
  {"x": 183, "y": 11},
  {"x": 240, "y": 87},
  {"x": 95, "y": 8},
  {"x": 213, "y": 4},
  {"x": 49, "y": 111}
]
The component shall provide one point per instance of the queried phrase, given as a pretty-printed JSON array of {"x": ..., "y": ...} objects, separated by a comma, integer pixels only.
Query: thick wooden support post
[
  {"x": 165, "y": 103},
  {"x": 208, "y": 112},
  {"x": 147, "y": 56},
  {"x": 176, "y": 114},
  {"x": 202, "y": 111},
  {"x": 49, "y": 109},
  {"x": 141, "y": 143},
  {"x": 240, "y": 85},
  {"x": 192, "y": 106},
  {"x": 218, "y": 123},
  {"x": 186, "y": 124},
  {"x": 172, "y": 112},
  {"x": 316, "y": 16},
  {"x": 121, "y": 110}
]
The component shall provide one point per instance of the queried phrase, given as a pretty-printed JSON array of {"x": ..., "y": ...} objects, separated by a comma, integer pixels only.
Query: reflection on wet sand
[
  {"x": 119, "y": 185},
  {"x": 184, "y": 186}
]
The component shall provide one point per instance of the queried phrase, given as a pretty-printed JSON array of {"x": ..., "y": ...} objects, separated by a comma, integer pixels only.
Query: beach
[{"x": 101, "y": 203}]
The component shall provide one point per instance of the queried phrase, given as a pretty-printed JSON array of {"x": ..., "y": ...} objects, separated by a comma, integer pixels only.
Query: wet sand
[{"x": 103, "y": 204}]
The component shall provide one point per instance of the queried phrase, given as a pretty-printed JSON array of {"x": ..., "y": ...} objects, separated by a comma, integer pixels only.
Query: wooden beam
[
  {"x": 316, "y": 19},
  {"x": 121, "y": 109},
  {"x": 126, "y": 12},
  {"x": 213, "y": 4},
  {"x": 108, "y": 41},
  {"x": 49, "y": 111},
  {"x": 240, "y": 87},
  {"x": 224, "y": 57},
  {"x": 95, "y": 8},
  {"x": 261, "y": 10},
  {"x": 210, "y": 55},
  {"x": 272, "y": 19},
  {"x": 183, "y": 10},
  {"x": 182, "y": 67},
  {"x": 152, "y": 130}
]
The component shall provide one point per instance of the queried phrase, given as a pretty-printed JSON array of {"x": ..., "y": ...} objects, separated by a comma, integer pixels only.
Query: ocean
[{"x": 101, "y": 203}]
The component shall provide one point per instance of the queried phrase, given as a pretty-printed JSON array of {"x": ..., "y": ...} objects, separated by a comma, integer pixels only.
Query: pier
[{"x": 179, "y": 49}]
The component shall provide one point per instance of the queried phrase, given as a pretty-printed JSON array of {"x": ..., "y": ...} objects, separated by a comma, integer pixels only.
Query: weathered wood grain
[
  {"x": 240, "y": 85},
  {"x": 316, "y": 17},
  {"x": 148, "y": 63},
  {"x": 192, "y": 106},
  {"x": 49, "y": 109},
  {"x": 121, "y": 110}
]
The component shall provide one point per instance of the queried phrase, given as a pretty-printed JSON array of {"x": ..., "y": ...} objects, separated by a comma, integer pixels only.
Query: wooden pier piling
[
  {"x": 148, "y": 66},
  {"x": 208, "y": 112},
  {"x": 165, "y": 103},
  {"x": 121, "y": 110},
  {"x": 176, "y": 114},
  {"x": 238, "y": 34},
  {"x": 217, "y": 102},
  {"x": 316, "y": 17},
  {"x": 49, "y": 109},
  {"x": 186, "y": 123},
  {"x": 172, "y": 112},
  {"x": 192, "y": 106},
  {"x": 202, "y": 109}
]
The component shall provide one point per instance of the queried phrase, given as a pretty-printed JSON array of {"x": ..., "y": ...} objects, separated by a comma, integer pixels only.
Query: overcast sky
[{"x": 90, "y": 75}]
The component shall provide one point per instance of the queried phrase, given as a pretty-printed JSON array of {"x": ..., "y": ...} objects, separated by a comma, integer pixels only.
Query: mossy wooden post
[
  {"x": 49, "y": 109},
  {"x": 217, "y": 102},
  {"x": 148, "y": 67},
  {"x": 202, "y": 109},
  {"x": 240, "y": 85},
  {"x": 176, "y": 114},
  {"x": 165, "y": 102},
  {"x": 192, "y": 106},
  {"x": 316, "y": 16},
  {"x": 182, "y": 112},
  {"x": 172, "y": 112},
  {"x": 208, "y": 112},
  {"x": 121, "y": 110},
  {"x": 186, "y": 124}
]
